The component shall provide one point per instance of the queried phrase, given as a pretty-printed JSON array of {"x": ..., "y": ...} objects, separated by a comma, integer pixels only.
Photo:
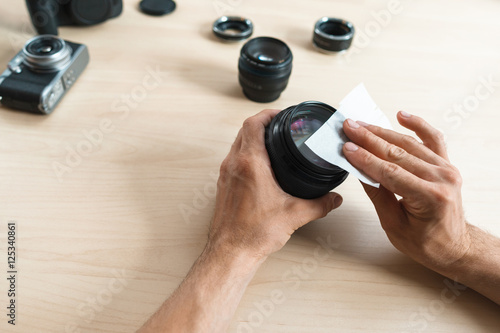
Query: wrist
[
  {"x": 471, "y": 259},
  {"x": 231, "y": 257}
]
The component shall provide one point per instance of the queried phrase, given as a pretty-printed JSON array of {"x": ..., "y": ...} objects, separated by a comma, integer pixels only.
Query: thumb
[
  {"x": 307, "y": 210},
  {"x": 386, "y": 204}
]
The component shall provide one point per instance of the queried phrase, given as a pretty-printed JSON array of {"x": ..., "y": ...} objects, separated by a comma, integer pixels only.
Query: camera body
[
  {"x": 37, "y": 78},
  {"x": 47, "y": 15}
]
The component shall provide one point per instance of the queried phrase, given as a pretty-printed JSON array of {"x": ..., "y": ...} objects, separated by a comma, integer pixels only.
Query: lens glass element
[
  {"x": 304, "y": 123},
  {"x": 46, "y": 53},
  {"x": 45, "y": 46},
  {"x": 269, "y": 51}
]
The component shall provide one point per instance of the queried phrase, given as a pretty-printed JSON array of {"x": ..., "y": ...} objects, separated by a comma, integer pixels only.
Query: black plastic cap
[{"x": 157, "y": 7}]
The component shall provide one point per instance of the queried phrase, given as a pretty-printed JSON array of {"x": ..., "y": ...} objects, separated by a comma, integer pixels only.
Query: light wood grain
[{"x": 119, "y": 211}]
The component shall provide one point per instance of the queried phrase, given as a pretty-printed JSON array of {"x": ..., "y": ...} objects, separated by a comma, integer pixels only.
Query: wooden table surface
[{"x": 112, "y": 193}]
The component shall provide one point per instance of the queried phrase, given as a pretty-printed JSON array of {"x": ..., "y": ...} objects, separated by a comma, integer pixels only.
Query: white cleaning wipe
[{"x": 327, "y": 142}]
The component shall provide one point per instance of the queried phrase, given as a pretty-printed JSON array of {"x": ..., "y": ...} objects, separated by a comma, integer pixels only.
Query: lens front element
[
  {"x": 304, "y": 124},
  {"x": 46, "y": 53}
]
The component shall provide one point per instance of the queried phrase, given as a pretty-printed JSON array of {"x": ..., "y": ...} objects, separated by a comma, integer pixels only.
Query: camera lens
[
  {"x": 298, "y": 170},
  {"x": 264, "y": 66},
  {"x": 332, "y": 34},
  {"x": 46, "y": 53}
]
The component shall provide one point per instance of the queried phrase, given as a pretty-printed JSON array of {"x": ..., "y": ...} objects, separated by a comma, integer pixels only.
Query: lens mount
[
  {"x": 232, "y": 28},
  {"x": 46, "y": 53},
  {"x": 333, "y": 34},
  {"x": 298, "y": 170}
]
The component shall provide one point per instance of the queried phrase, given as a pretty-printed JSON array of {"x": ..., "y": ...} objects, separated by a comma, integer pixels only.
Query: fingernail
[
  {"x": 349, "y": 146},
  {"x": 362, "y": 123},
  {"x": 352, "y": 123},
  {"x": 405, "y": 114},
  {"x": 337, "y": 201}
]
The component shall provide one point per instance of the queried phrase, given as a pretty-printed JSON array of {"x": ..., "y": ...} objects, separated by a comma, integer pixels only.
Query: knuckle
[
  {"x": 244, "y": 166},
  {"x": 395, "y": 153},
  {"x": 438, "y": 135},
  {"x": 389, "y": 169},
  {"x": 224, "y": 166},
  {"x": 407, "y": 140},
  {"x": 452, "y": 175},
  {"x": 442, "y": 195},
  {"x": 247, "y": 123},
  {"x": 434, "y": 133},
  {"x": 224, "y": 170}
]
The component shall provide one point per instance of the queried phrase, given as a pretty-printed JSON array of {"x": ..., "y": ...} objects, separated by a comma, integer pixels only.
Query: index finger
[
  {"x": 390, "y": 175},
  {"x": 253, "y": 128}
]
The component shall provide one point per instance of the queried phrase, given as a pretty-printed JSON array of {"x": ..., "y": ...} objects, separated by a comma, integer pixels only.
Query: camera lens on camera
[
  {"x": 264, "y": 66},
  {"x": 298, "y": 170},
  {"x": 332, "y": 34},
  {"x": 46, "y": 53}
]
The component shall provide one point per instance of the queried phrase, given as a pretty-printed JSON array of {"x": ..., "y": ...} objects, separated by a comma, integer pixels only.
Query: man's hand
[
  {"x": 253, "y": 218},
  {"x": 428, "y": 223},
  {"x": 252, "y": 214}
]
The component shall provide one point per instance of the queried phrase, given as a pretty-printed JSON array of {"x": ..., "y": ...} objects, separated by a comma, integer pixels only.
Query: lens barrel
[
  {"x": 298, "y": 170},
  {"x": 265, "y": 65},
  {"x": 46, "y": 53}
]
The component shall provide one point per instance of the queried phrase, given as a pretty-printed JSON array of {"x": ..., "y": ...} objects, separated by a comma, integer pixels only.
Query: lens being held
[
  {"x": 265, "y": 65},
  {"x": 332, "y": 35},
  {"x": 298, "y": 170},
  {"x": 37, "y": 78}
]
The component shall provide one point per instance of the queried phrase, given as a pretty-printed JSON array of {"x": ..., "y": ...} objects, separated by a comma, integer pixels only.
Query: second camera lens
[{"x": 265, "y": 65}]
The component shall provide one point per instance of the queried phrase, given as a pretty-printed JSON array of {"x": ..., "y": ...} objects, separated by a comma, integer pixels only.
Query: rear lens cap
[{"x": 157, "y": 7}]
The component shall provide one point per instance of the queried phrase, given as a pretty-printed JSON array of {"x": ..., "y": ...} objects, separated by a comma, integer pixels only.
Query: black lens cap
[{"x": 157, "y": 7}]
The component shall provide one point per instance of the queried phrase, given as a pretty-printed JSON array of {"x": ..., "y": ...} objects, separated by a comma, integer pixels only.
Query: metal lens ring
[
  {"x": 46, "y": 53},
  {"x": 333, "y": 34},
  {"x": 232, "y": 28}
]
